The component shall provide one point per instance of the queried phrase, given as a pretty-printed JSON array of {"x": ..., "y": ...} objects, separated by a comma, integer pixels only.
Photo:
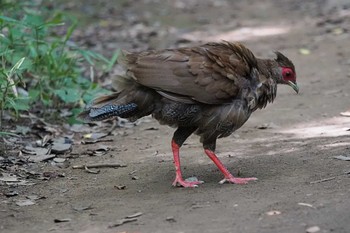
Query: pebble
[{"x": 313, "y": 229}]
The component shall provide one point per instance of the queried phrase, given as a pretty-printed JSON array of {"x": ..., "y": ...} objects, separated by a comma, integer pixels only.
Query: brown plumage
[{"x": 209, "y": 90}]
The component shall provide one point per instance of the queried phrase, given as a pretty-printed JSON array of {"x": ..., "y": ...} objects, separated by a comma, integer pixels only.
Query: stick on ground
[{"x": 107, "y": 165}]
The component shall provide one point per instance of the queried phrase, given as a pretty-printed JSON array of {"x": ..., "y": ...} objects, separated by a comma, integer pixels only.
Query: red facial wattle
[
  {"x": 288, "y": 75},
  {"x": 289, "y": 78}
]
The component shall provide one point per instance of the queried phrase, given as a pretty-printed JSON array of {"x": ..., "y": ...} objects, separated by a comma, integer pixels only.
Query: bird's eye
[{"x": 288, "y": 74}]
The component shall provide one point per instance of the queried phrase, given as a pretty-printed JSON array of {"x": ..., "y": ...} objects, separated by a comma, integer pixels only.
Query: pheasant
[{"x": 209, "y": 90}]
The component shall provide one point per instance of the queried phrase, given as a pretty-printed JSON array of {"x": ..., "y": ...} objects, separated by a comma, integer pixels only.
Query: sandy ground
[{"x": 300, "y": 184}]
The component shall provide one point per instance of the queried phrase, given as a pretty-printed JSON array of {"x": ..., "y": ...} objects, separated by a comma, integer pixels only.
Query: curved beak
[{"x": 294, "y": 86}]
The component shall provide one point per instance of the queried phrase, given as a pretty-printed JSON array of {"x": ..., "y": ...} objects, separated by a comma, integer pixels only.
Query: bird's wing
[{"x": 212, "y": 74}]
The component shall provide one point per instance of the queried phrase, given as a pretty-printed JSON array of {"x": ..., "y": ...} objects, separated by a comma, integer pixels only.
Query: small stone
[
  {"x": 59, "y": 220},
  {"x": 59, "y": 160},
  {"x": 273, "y": 212},
  {"x": 313, "y": 229},
  {"x": 170, "y": 219}
]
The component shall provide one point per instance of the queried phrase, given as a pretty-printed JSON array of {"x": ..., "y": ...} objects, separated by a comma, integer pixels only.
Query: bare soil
[{"x": 289, "y": 146}]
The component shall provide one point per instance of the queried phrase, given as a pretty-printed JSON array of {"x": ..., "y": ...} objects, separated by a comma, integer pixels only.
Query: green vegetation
[{"x": 40, "y": 67}]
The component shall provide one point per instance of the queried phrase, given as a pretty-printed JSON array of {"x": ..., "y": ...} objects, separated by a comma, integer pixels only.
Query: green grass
[{"x": 40, "y": 66}]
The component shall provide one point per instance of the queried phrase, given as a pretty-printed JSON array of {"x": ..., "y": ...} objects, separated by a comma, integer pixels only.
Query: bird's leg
[
  {"x": 228, "y": 176},
  {"x": 180, "y": 135}
]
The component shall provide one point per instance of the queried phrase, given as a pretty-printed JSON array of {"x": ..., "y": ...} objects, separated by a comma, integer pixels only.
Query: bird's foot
[
  {"x": 234, "y": 180},
  {"x": 186, "y": 183}
]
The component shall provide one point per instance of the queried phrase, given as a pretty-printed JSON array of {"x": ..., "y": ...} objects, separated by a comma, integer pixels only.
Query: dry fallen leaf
[
  {"x": 304, "y": 51},
  {"x": 41, "y": 158},
  {"x": 25, "y": 202},
  {"x": 100, "y": 150},
  {"x": 59, "y": 160},
  {"x": 22, "y": 130},
  {"x": 35, "y": 150},
  {"x": 59, "y": 148},
  {"x": 61, "y": 145},
  {"x": 95, "y": 136}
]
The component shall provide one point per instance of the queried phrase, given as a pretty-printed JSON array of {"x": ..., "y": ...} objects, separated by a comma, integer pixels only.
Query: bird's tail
[
  {"x": 130, "y": 100},
  {"x": 108, "y": 106},
  {"x": 131, "y": 103}
]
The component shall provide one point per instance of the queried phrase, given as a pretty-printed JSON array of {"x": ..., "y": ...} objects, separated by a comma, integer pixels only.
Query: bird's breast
[{"x": 177, "y": 114}]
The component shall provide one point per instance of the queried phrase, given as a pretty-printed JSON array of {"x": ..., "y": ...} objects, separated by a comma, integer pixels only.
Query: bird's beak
[{"x": 294, "y": 86}]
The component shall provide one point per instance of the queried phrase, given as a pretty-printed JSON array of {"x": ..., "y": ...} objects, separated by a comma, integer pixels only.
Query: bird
[{"x": 209, "y": 90}]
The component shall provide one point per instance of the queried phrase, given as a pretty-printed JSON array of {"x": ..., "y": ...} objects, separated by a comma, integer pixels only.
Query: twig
[
  {"x": 122, "y": 221},
  {"x": 112, "y": 165},
  {"x": 91, "y": 171},
  {"x": 96, "y": 141},
  {"x": 330, "y": 178},
  {"x": 323, "y": 180}
]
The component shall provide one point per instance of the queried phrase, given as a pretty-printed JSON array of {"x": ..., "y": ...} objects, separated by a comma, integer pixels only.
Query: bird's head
[{"x": 288, "y": 75}]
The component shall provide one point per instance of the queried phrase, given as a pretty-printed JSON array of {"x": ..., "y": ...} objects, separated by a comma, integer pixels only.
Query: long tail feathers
[
  {"x": 103, "y": 108},
  {"x": 110, "y": 110}
]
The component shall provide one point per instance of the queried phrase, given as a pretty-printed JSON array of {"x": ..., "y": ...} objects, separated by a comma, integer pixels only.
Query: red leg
[
  {"x": 228, "y": 176},
  {"x": 178, "y": 179}
]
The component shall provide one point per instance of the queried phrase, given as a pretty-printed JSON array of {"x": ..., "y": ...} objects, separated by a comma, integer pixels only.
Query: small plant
[
  {"x": 40, "y": 66},
  {"x": 8, "y": 93}
]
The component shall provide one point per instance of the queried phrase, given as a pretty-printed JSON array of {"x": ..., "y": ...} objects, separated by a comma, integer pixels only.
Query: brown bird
[{"x": 209, "y": 90}]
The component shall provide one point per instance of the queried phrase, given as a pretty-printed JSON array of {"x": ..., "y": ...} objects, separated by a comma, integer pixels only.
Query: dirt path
[{"x": 292, "y": 157}]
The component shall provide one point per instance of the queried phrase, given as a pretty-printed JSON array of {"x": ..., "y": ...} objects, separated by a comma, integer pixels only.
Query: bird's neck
[
  {"x": 268, "y": 78},
  {"x": 268, "y": 68}
]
